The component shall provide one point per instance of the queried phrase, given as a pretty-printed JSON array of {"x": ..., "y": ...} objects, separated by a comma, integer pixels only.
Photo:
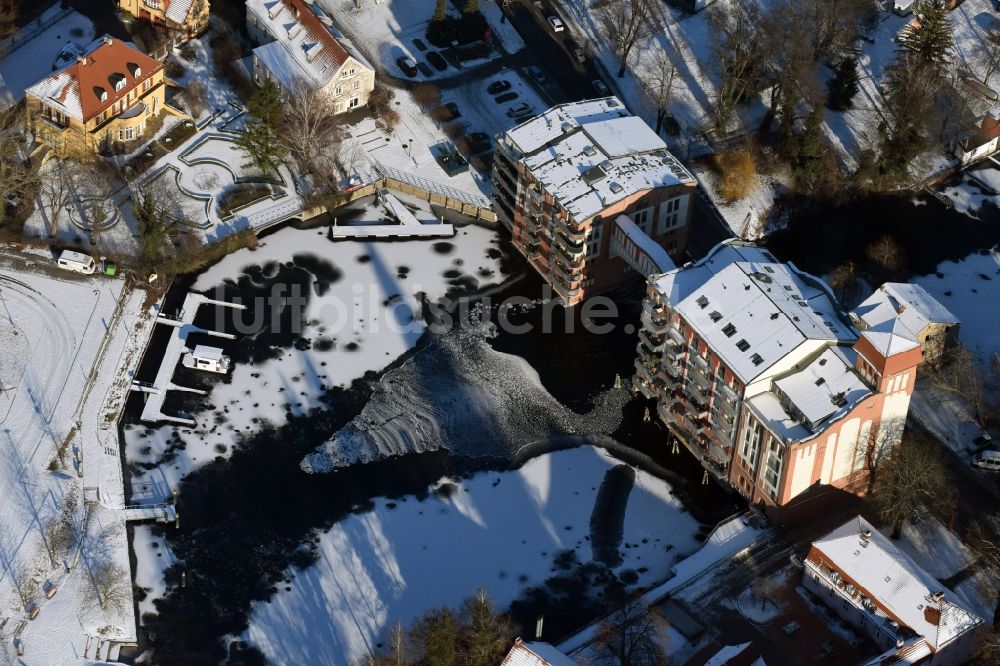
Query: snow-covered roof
[
  {"x": 897, "y": 585},
  {"x": 535, "y": 654},
  {"x": 313, "y": 48},
  {"x": 909, "y": 304},
  {"x": 208, "y": 353},
  {"x": 751, "y": 309},
  {"x": 730, "y": 654},
  {"x": 90, "y": 85},
  {"x": 178, "y": 10},
  {"x": 826, "y": 388},
  {"x": 591, "y": 154},
  {"x": 652, "y": 249}
]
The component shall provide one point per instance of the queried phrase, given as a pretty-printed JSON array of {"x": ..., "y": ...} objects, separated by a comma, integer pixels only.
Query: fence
[
  {"x": 53, "y": 15},
  {"x": 473, "y": 205}
]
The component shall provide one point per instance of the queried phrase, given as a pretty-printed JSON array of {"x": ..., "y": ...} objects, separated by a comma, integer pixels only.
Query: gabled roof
[
  {"x": 751, "y": 310},
  {"x": 178, "y": 10},
  {"x": 908, "y": 304},
  {"x": 897, "y": 585},
  {"x": 85, "y": 88},
  {"x": 535, "y": 654},
  {"x": 314, "y": 48}
]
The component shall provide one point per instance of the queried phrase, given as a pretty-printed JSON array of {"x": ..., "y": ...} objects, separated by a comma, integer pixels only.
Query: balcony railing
[
  {"x": 655, "y": 341},
  {"x": 675, "y": 334}
]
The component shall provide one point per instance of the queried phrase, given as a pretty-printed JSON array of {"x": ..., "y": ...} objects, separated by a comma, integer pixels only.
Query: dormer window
[
  {"x": 118, "y": 81},
  {"x": 134, "y": 70},
  {"x": 101, "y": 93}
]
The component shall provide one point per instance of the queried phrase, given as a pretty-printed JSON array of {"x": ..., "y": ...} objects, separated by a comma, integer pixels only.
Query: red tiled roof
[{"x": 99, "y": 71}]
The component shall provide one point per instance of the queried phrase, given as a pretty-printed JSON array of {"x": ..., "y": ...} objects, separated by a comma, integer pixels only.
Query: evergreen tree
[
  {"x": 928, "y": 39},
  {"x": 486, "y": 635},
  {"x": 844, "y": 85},
  {"x": 265, "y": 105},
  {"x": 259, "y": 138},
  {"x": 808, "y": 162},
  {"x": 436, "y": 636}
]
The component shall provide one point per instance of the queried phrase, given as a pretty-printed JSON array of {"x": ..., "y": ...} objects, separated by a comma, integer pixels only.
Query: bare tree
[
  {"x": 876, "y": 448},
  {"x": 111, "y": 585},
  {"x": 58, "y": 188},
  {"x": 17, "y": 178},
  {"x": 988, "y": 54},
  {"x": 311, "y": 132},
  {"x": 738, "y": 48},
  {"x": 659, "y": 82},
  {"x": 960, "y": 374},
  {"x": 915, "y": 480},
  {"x": 8, "y": 17},
  {"x": 632, "y": 635},
  {"x": 887, "y": 253},
  {"x": 984, "y": 541},
  {"x": 626, "y": 22}
]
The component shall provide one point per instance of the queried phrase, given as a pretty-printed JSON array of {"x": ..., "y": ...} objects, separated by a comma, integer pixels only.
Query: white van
[
  {"x": 902, "y": 7},
  {"x": 989, "y": 460},
  {"x": 77, "y": 261}
]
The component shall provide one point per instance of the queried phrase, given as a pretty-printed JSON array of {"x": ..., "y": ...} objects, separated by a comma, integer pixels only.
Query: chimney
[
  {"x": 82, "y": 59},
  {"x": 932, "y": 614},
  {"x": 108, "y": 41}
]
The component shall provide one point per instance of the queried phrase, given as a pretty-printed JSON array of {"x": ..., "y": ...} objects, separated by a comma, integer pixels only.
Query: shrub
[
  {"x": 427, "y": 95},
  {"x": 736, "y": 173}
]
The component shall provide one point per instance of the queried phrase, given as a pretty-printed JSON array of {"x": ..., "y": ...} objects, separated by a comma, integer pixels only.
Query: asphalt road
[{"x": 569, "y": 80}]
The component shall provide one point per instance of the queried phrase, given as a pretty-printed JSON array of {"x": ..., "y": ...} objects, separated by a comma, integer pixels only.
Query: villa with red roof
[
  {"x": 183, "y": 19},
  {"x": 104, "y": 99},
  {"x": 300, "y": 46}
]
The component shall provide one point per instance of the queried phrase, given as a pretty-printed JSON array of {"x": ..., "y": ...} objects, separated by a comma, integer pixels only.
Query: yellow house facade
[
  {"x": 105, "y": 98},
  {"x": 184, "y": 18}
]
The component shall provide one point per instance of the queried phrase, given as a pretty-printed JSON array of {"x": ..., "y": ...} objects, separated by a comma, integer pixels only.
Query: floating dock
[{"x": 183, "y": 325}]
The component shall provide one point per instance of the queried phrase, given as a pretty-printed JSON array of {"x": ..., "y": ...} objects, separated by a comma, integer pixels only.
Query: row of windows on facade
[{"x": 118, "y": 107}]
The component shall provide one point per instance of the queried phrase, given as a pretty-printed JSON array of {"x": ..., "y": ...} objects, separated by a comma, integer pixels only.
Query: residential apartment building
[
  {"x": 300, "y": 46},
  {"x": 104, "y": 98},
  {"x": 589, "y": 190},
  {"x": 877, "y": 588},
  {"x": 759, "y": 372},
  {"x": 908, "y": 310},
  {"x": 182, "y": 19}
]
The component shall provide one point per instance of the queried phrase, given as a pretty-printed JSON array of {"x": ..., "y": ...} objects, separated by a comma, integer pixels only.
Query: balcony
[
  {"x": 727, "y": 392},
  {"x": 569, "y": 259},
  {"x": 567, "y": 294},
  {"x": 655, "y": 341},
  {"x": 730, "y": 407},
  {"x": 565, "y": 275},
  {"x": 574, "y": 234},
  {"x": 675, "y": 334}
]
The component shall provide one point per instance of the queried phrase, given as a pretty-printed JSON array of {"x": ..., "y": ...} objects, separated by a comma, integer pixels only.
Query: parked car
[
  {"x": 556, "y": 23},
  {"x": 601, "y": 87},
  {"x": 436, "y": 59},
  {"x": 498, "y": 87},
  {"x": 506, "y": 97},
  {"x": 519, "y": 110},
  {"x": 984, "y": 441},
  {"x": 538, "y": 75},
  {"x": 988, "y": 460},
  {"x": 408, "y": 66},
  {"x": 575, "y": 49}
]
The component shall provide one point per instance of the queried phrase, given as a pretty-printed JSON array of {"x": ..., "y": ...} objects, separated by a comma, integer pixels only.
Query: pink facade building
[{"x": 760, "y": 373}]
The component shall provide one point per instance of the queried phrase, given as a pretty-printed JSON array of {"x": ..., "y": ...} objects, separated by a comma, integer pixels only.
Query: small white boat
[{"x": 210, "y": 359}]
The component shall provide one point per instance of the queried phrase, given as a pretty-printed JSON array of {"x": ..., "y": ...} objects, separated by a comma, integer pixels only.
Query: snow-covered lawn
[
  {"x": 935, "y": 548},
  {"x": 73, "y": 354},
  {"x": 360, "y": 318},
  {"x": 495, "y": 530},
  {"x": 969, "y": 196},
  {"x": 34, "y": 59}
]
